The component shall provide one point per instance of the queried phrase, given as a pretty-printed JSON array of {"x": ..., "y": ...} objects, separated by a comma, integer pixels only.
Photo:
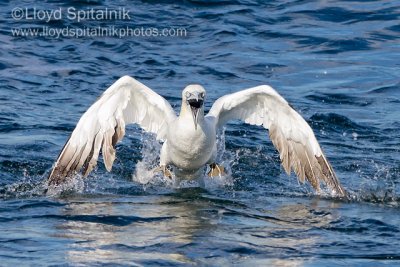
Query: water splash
[
  {"x": 75, "y": 184},
  {"x": 376, "y": 185},
  {"x": 29, "y": 186},
  {"x": 144, "y": 172},
  {"x": 380, "y": 187}
]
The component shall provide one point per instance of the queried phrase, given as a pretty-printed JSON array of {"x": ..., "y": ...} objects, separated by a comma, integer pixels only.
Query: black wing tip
[{"x": 57, "y": 176}]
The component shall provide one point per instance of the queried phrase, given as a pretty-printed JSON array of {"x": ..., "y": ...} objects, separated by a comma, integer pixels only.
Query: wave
[
  {"x": 333, "y": 122},
  {"x": 340, "y": 99},
  {"x": 253, "y": 169}
]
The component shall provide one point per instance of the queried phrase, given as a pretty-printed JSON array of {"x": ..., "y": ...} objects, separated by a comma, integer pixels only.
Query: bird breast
[{"x": 189, "y": 148}]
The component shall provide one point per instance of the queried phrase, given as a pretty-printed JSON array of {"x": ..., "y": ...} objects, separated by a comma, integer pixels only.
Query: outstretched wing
[
  {"x": 103, "y": 125},
  {"x": 289, "y": 132}
]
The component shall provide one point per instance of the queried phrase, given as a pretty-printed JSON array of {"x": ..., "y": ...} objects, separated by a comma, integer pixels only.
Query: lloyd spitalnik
[{"x": 73, "y": 13}]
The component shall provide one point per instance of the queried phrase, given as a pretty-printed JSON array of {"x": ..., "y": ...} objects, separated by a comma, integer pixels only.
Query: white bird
[{"x": 190, "y": 138}]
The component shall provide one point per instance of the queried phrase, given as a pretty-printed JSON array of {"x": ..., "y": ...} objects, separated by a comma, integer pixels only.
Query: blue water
[{"x": 336, "y": 62}]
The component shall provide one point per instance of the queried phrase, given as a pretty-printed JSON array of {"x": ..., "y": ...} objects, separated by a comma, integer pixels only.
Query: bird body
[
  {"x": 190, "y": 145},
  {"x": 190, "y": 138},
  {"x": 188, "y": 148}
]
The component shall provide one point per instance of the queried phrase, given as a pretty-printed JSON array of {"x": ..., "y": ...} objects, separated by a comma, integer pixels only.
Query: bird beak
[{"x": 195, "y": 104}]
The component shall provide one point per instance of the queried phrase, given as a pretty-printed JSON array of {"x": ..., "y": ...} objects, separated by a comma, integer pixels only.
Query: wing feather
[
  {"x": 290, "y": 134},
  {"x": 103, "y": 125}
]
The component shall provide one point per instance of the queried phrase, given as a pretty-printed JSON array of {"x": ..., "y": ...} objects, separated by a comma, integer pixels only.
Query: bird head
[{"x": 193, "y": 97}]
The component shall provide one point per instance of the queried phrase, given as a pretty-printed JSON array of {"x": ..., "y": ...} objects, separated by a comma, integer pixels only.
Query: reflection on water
[
  {"x": 186, "y": 227},
  {"x": 155, "y": 224}
]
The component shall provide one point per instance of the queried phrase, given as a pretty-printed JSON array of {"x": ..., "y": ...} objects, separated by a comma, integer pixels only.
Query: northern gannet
[{"x": 190, "y": 138}]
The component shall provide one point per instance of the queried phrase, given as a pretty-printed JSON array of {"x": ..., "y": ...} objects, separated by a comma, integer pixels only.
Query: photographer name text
[{"x": 70, "y": 13}]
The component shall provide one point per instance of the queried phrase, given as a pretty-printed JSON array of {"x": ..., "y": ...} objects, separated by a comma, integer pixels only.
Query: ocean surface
[{"x": 336, "y": 62}]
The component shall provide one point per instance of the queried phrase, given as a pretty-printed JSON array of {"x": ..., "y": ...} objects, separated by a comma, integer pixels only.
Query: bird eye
[{"x": 188, "y": 94}]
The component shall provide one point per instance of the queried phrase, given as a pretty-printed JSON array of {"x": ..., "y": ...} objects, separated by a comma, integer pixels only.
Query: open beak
[{"x": 195, "y": 106}]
